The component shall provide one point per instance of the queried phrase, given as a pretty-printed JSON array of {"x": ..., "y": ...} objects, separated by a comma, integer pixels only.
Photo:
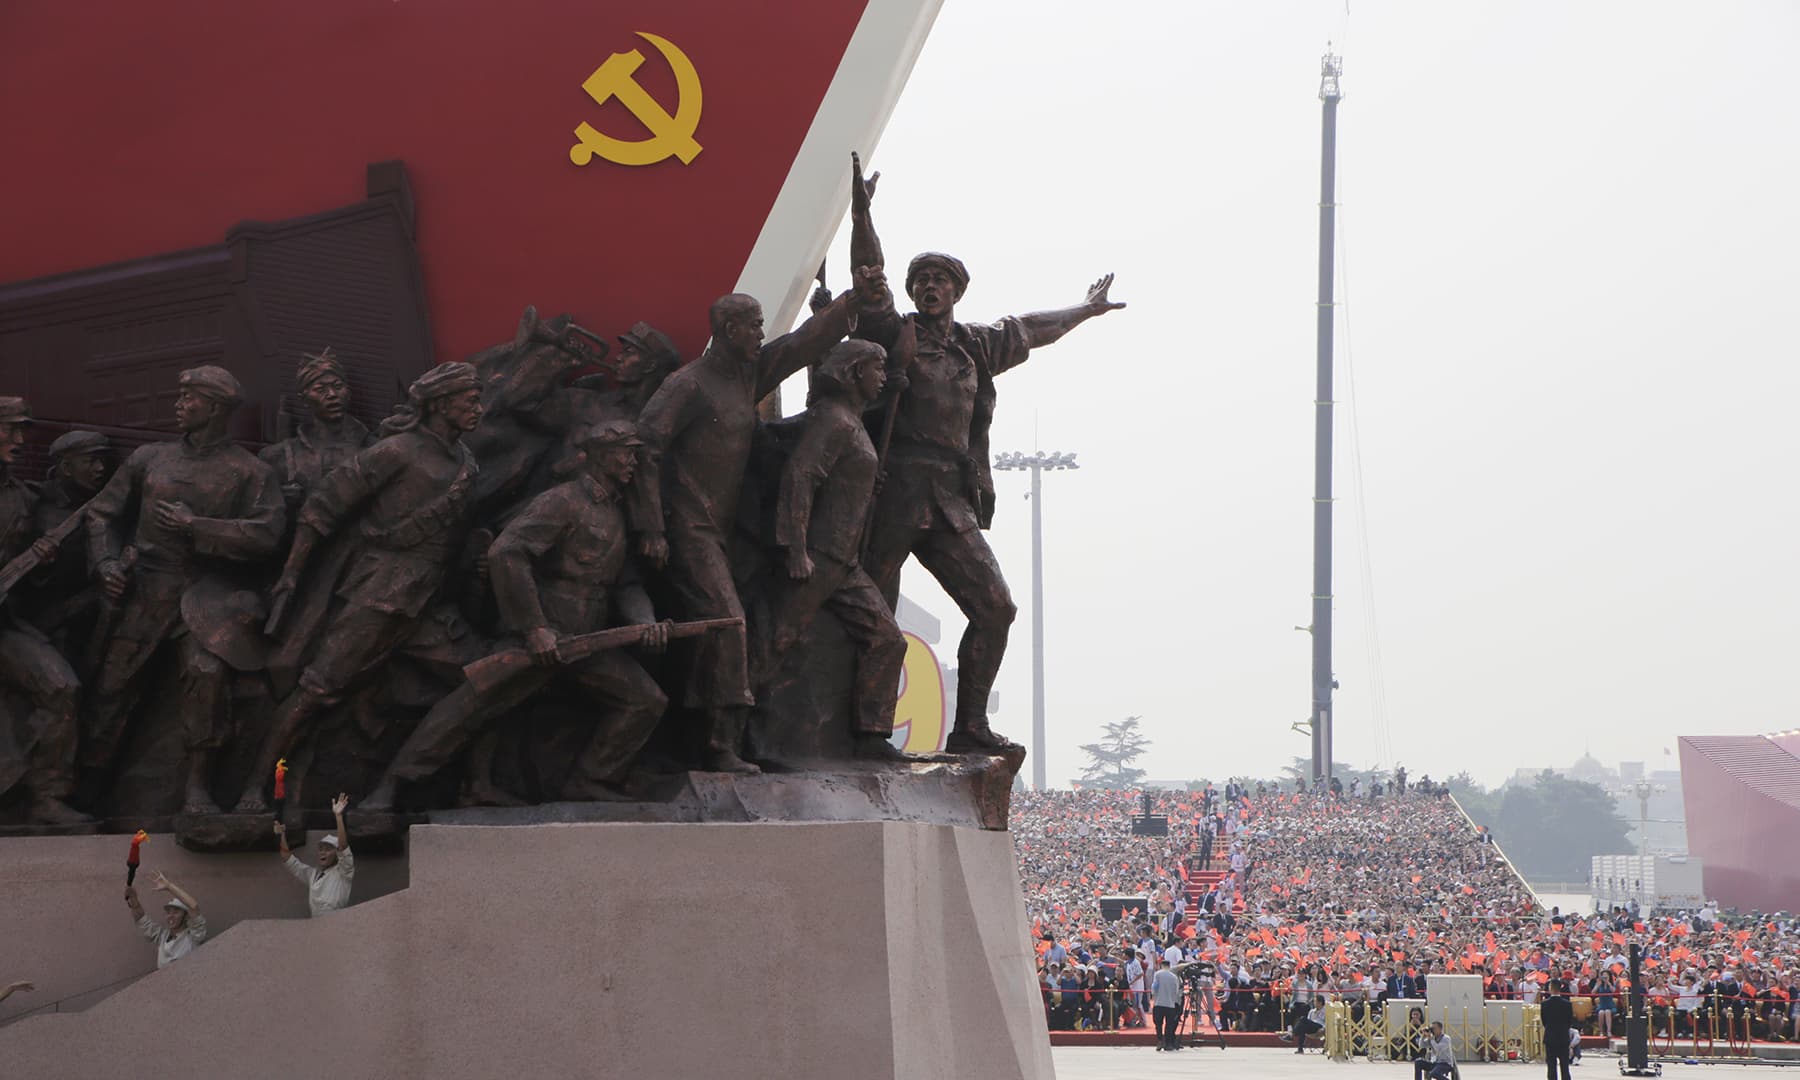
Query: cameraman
[{"x": 1165, "y": 997}]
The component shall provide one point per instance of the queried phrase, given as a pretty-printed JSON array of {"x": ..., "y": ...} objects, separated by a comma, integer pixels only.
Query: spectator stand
[{"x": 1356, "y": 901}]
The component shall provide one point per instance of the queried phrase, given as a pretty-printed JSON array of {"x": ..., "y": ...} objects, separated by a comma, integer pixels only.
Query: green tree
[
  {"x": 1109, "y": 760},
  {"x": 1478, "y": 802},
  {"x": 1552, "y": 827}
]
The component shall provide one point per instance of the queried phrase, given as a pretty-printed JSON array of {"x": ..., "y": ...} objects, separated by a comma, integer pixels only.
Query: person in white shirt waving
[
  {"x": 327, "y": 884},
  {"x": 183, "y": 926}
]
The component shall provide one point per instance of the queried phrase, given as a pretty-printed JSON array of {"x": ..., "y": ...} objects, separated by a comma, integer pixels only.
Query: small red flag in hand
[{"x": 131, "y": 860}]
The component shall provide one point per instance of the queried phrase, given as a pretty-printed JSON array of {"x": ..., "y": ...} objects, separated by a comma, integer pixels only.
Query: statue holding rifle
[{"x": 560, "y": 569}]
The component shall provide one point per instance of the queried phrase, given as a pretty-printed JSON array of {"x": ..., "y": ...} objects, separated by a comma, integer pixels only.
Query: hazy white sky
[{"x": 1569, "y": 296}]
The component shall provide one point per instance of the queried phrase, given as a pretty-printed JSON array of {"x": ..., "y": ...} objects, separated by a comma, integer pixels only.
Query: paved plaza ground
[{"x": 1143, "y": 1062}]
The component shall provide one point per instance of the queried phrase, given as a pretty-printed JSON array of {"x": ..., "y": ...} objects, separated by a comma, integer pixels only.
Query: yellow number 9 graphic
[{"x": 919, "y": 718}]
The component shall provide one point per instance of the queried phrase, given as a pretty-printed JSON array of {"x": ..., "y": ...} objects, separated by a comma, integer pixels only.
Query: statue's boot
[
  {"x": 977, "y": 739},
  {"x": 199, "y": 800},
  {"x": 283, "y": 728},
  {"x": 381, "y": 800},
  {"x": 724, "y": 738},
  {"x": 594, "y": 791},
  {"x": 872, "y": 747},
  {"x": 729, "y": 761},
  {"x": 484, "y": 792},
  {"x": 50, "y": 810},
  {"x": 52, "y": 782}
]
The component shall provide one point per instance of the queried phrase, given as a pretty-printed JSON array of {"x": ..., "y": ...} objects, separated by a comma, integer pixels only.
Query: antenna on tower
[{"x": 1330, "y": 67}]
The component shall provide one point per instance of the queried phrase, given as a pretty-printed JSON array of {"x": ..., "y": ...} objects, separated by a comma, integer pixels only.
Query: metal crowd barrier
[{"x": 1483, "y": 1034}]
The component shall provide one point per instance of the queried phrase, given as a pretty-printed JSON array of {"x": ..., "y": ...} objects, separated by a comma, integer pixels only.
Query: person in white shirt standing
[
  {"x": 1134, "y": 981},
  {"x": 183, "y": 926},
  {"x": 328, "y": 884}
]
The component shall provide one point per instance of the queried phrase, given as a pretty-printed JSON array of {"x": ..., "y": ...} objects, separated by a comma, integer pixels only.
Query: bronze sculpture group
[{"x": 554, "y": 536}]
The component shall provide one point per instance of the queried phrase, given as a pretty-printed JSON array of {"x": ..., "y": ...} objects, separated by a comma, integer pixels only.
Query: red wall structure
[
  {"x": 1742, "y": 800},
  {"x": 135, "y": 130}
]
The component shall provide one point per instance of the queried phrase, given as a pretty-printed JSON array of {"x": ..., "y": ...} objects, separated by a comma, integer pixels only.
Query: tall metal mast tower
[{"x": 1331, "y": 67}]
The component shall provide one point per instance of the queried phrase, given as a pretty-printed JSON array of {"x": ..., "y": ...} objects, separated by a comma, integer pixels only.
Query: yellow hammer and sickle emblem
[{"x": 669, "y": 135}]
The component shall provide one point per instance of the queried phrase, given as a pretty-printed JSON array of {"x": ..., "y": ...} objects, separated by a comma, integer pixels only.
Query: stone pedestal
[{"x": 865, "y": 949}]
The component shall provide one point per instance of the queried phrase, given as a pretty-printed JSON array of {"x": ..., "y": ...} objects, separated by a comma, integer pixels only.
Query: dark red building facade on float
[
  {"x": 1742, "y": 800},
  {"x": 217, "y": 182}
]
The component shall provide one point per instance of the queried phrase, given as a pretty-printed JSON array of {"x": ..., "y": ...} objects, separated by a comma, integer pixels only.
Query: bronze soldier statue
[
  {"x": 29, "y": 663},
  {"x": 561, "y": 567},
  {"x": 820, "y": 516},
  {"x": 168, "y": 536},
  {"x": 65, "y": 603},
  {"x": 645, "y": 358},
  {"x": 409, "y": 495},
  {"x": 697, "y": 432},
  {"x": 939, "y": 492},
  {"x": 327, "y": 438}
]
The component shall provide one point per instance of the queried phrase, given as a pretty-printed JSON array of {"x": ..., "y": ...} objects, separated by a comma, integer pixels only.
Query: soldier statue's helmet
[
  {"x": 316, "y": 366},
  {"x": 608, "y": 433},
  {"x": 76, "y": 443},
  {"x": 950, "y": 264},
  {"x": 13, "y": 410},
  {"x": 214, "y": 382}
]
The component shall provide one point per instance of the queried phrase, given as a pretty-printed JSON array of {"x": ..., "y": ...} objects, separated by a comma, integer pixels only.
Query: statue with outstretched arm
[{"x": 938, "y": 493}]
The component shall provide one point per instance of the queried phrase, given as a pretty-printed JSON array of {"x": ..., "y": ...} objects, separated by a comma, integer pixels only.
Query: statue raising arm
[{"x": 1046, "y": 327}]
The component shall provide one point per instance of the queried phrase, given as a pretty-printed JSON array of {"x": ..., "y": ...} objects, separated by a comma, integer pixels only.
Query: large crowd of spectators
[{"x": 1360, "y": 897}]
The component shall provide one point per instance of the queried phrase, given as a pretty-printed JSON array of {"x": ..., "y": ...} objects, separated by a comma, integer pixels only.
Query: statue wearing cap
[
  {"x": 561, "y": 567},
  {"x": 406, "y": 502},
  {"x": 939, "y": 492},
  {"x": 327, "y": 437},
  {"x": 63, "y": 600},
  {"x": 171, "y": 536},
  {"x": 30, "y": 664},
  {"x": 645, "y": 358},
  {"x": 820, "y": 515}
]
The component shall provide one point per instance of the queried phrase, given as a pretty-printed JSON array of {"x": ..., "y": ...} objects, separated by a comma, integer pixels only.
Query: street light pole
[
  {"x": 1644, "y": 790},
  {"x": 1037, "y": 462}
]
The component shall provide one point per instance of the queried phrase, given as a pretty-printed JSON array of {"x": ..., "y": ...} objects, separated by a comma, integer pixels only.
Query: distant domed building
[{"x": 1587, "y": 767}]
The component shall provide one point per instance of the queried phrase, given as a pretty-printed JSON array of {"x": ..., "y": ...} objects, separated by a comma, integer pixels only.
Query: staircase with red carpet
[{"x": 1200, "y": 880}]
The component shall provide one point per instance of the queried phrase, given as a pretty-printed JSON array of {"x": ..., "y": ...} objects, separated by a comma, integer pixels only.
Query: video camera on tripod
[{"x": 1198, "y": 977}]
